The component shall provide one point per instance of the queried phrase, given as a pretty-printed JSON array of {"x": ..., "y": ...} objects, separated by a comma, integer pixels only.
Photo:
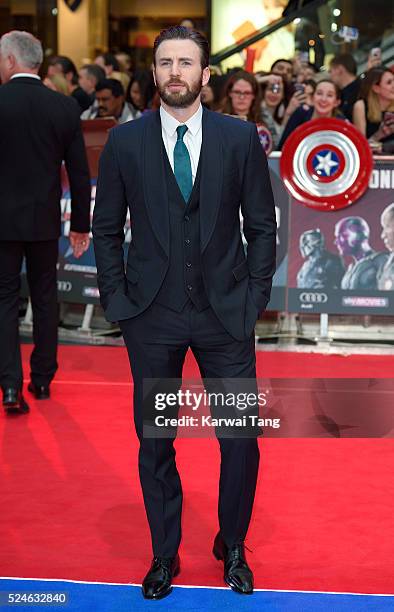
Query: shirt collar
[
  {"x": 25, "y": 74},
  {"x": 170, "y": 124}
]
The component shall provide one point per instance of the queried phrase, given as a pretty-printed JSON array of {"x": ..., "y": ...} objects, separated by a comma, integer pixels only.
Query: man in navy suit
[
  {"x": 39, "y": 129},
  {"x": 184, "y": 172}
]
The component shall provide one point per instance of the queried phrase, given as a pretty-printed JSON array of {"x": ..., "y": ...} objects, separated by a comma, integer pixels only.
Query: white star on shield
[{"x": 325, "y": 163}]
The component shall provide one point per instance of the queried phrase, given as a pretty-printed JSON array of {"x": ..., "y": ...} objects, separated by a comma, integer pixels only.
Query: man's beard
[{"x": 179, "y": 99}]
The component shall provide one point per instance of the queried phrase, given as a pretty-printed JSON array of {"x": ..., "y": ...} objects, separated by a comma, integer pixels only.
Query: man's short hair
[
  {"x": 113, "y": 85},
  {"x": 347, "y": 61},
  {"x": 95, "y": 71},
  {"x": 182, "y": 33},
  {"x": 67, "y": 66},
  {"x": 110, "y": 60},
  {"x": 26, "y": 49}
]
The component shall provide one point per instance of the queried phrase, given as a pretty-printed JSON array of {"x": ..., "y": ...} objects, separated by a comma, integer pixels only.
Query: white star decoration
[{"x": 325, "y": 163}]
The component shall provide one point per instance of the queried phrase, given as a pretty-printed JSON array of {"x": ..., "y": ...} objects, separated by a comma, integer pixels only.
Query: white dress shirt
[
  {"x": 25, "y": 74},
  {"x": 192, "y": 138}
]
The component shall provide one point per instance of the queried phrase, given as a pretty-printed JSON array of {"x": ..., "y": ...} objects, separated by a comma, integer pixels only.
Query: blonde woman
[{"x": 373, "y": 114}]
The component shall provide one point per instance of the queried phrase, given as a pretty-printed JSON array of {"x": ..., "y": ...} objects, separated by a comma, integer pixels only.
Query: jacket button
[{"x": 187, "y": 218}]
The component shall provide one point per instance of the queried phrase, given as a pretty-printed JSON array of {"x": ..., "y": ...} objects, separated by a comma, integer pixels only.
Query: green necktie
[{"x": 182, "y": 165}]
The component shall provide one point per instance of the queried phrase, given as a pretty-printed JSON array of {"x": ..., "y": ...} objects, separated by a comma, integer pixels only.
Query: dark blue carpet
[{"x": 119, "y": 598}]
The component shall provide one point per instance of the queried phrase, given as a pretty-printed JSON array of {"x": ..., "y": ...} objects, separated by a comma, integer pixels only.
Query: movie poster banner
[
  {"x": 342, "y": 262},
  {"x": 282, "y": 208}
]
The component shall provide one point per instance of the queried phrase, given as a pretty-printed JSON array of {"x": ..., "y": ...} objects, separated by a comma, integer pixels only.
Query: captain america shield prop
[{"x": 326, "y": 164}]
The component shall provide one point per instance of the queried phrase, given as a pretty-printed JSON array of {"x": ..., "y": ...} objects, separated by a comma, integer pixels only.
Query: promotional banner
[
  {"x": 342, "y": 262},
  {"x": 77, "y": 278},
  {"x": 282, "y": 208}
]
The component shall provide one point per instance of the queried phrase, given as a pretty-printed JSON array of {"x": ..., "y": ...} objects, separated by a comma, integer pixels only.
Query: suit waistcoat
[{"x": 183, "y": 281}]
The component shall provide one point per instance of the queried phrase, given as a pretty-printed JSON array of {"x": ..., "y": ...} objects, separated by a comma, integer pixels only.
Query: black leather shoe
[
  {"x": 14, "y": 402},
  {"x": 40, "y": 392},
  {"x": 157, "y": 582},
  {"x": 237, "y": 573}
]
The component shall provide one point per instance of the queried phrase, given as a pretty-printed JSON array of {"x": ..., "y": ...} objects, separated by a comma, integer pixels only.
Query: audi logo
[
  {"x": 64, "y": 286},
  {"x": 313, "y": 298}
]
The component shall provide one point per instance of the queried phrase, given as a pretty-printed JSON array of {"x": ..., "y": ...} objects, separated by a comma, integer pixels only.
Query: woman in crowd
[
  {"x": 326, "y": 99},
  {"x": 273, "y": 104},
  {"x": 211, "y": 93},
  {"x": 373, "y": 114},
  {"x": 242, "y": 97},
  {"x": 278, "y": 104},
  {"x": 208, "y": 96},
  {"x": 141, "y": 91}
]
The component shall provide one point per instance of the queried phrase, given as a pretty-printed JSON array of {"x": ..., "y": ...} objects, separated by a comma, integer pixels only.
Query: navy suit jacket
[
  {"x": 234, "y": 174},
  {"x": 39, "y": 129}
]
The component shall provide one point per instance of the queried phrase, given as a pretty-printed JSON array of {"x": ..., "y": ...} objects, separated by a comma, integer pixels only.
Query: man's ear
[
  {"x": 12, "y": 61},
  {"x": 206, "y": 73}
]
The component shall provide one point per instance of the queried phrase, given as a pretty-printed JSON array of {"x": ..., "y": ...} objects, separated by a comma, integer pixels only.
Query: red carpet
[{"x": 72, "y": 508}]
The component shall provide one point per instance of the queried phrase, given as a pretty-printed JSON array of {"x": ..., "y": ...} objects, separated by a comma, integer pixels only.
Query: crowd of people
[{"x": 292, "y": 93}]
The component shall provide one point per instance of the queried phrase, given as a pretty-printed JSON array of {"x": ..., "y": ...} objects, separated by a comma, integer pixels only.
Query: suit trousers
[
  {"x": 157, "y": 341},
  {"x": 41, "y": 260}
]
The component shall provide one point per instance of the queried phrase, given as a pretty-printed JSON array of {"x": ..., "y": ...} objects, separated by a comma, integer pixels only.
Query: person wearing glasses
[{"x": 241, "y": 97}]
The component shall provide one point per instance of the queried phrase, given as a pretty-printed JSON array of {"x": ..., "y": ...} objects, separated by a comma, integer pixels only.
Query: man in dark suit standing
[
  {"x": 184, "y": 172},
  {"x": 39, "y": 129}
]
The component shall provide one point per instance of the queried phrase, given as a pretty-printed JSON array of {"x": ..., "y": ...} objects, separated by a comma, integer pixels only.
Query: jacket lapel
[
  {"x": 211, "y": 158},
  {"x": 155, "y": 186}
]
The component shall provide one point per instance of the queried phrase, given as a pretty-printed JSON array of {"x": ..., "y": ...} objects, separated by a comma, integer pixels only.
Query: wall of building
[
  {"x": 84, "y": 32},
  {"x": 22, "y": 7},
  {"x": 158, "y": 8},
  {"x": 73, "y": 31}
]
